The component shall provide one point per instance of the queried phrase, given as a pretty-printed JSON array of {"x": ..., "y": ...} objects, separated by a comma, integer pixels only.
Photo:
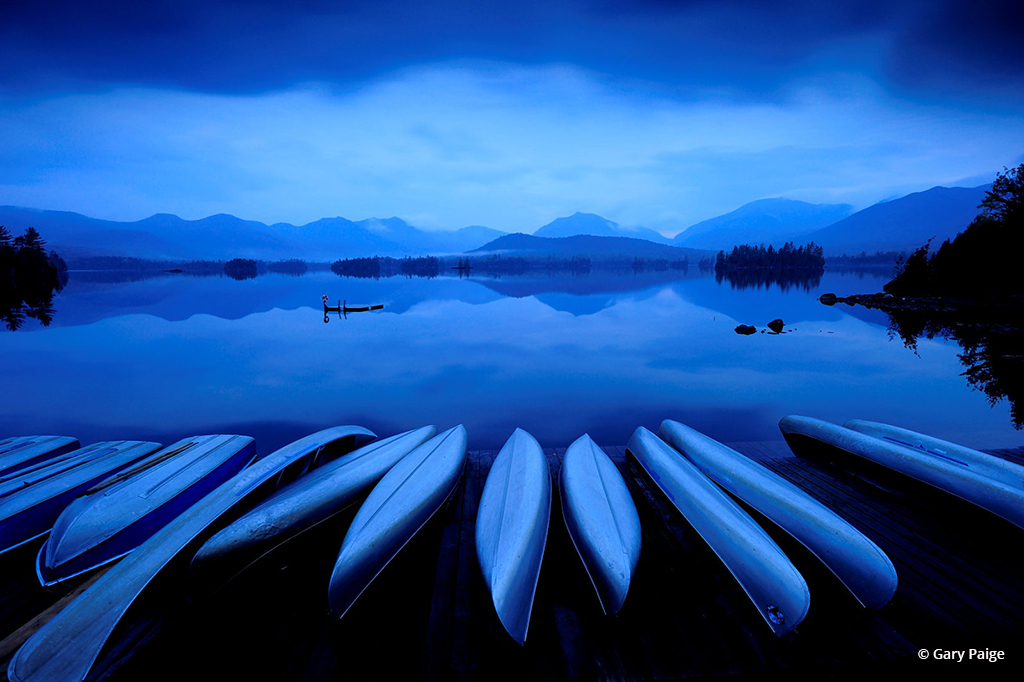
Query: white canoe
[
  {"x": 397, "y": 507},
  {"x": 298, "y": 507},
  {"x": 32, "y": 498},
  {"x": 602, "y": 520},
  {"x": 765, "y": 573},
  {"x": 971, "y": 460},
  {"x": 858, "y": 562},
  {"x": 22, "y": 451},
  {"x": 116, "y": 516},
  {"x": 512, "y": 529},
  {"x": 985, "y": 492},
  {"x": 69, "y": 646}
]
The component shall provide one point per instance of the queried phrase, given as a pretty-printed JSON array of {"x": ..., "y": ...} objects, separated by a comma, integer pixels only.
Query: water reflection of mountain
[
  {"x": 176, "y": 298},
  {"x": 993, "y": 350},
  {"x": 94, "y": 296},
  {"x": 586, "y": 294}
]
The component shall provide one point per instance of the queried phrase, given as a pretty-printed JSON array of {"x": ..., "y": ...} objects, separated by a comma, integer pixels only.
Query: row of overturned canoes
[{"x": 204, "y": 509}]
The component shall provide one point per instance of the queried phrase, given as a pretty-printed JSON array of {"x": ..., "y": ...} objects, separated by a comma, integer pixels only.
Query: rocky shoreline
[{"x": 1005, "y": 312}]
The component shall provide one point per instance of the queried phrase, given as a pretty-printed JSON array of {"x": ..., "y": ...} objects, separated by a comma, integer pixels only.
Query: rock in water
[
  {"x": 776, "y": 325},
  {"x": 746, "y": 329}
]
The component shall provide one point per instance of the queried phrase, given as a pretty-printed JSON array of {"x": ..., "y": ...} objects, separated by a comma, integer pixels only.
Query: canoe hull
[
  {"x": 69, "y": 646},
  {"x": 296, "y": 508},
  {"x": 512, "y": 529},
  {"x": 985, "y": 492},
  {"x": 972, "y": 460},
  {"x": 24, "y": 451},
  {"x": 31, "y": 512},
  {"x": 857, "y": 561},
  {"x": 601, "y": 519},
  {"x": 397, "y": 507},
  {"x": 765, "y": 573},
  {"x": 111, "y": 520}
]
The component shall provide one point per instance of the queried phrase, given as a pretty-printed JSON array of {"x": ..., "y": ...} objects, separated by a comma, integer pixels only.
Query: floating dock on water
[{"x": 429, "y": 616}]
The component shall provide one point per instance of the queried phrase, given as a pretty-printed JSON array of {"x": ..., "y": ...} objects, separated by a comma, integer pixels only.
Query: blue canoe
[
  {"x": 602, "y": 520},
  {"x": 22, "y": 451},
  {"x": 765, "y": 573},
  {"x": 296, "y": 508},
  {"x": 117, "y": 515},
  {"x": 857, "y": 561},
  {"x": 397, "y": 507},
  {"x": 32, "y": 498},
  {"x": 70, "y": 645},
  {"x": 512, "y": 529},
  {"x": 976, "y": 487}
]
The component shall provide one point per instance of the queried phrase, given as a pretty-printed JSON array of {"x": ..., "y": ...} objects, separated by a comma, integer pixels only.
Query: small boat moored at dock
[
  {"x": 953, "y": 477},
  {"x": 32, "y": 498},
  {"x": 297, "y": 507},
  {"x": 397, "y": 507},
  {"x": 74, "y": 641},
  {"x": 117, "y": 515},
  {"x": 762, "y": 569},
  {"x": 512, "y": 529},
  {"x": 857, "y": 561},
  {"x": 601, "y": 519},
  {"x": 23, "y": 451}
]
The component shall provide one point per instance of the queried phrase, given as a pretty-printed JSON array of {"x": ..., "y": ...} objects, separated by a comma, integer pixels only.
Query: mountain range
[
  {"x": 766, "y": 221},
  {"x": 901, "y": 224}
]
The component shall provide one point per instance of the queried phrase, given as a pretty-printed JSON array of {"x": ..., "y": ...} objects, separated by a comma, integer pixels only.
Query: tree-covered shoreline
[
  {"x": 980, "y": 262},
  {"x": 29, "y": 277}
]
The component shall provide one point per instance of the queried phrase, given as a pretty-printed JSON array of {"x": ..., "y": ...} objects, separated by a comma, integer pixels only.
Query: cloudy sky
[{"x": 506, "y": 114}]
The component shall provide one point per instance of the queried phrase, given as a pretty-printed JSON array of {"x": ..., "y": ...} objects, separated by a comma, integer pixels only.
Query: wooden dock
[{"x": 429, "y": 616}]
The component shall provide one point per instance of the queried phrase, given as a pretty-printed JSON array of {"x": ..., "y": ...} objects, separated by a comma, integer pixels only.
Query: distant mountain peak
[{"x": 764, "y": 221}]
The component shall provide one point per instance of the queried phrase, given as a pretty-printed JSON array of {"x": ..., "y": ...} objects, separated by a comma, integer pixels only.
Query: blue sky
[{"x": 509, "y": 115}]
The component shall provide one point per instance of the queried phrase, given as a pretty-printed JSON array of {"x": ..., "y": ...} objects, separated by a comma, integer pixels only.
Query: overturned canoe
[
  {"x": 762, "y": 569},
  {"x": 296, "y": 508},
  {"x": 117, "y": 515},
  {"x": 988, "y": 493},
  {"x": 971, "y": 460},
  {"x": 33, "y": 498},
  {"x": 398, "y": 506},
  {"x": 858, "y": 562},
  {"x": 70, "y": 645},
  {"x": 602, "y": 520},
  {"x": 22, "y": 451},
  {"x": 512, "y": 529}
]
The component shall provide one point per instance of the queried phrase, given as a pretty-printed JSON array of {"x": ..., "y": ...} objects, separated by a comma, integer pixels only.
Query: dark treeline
[
  {"x": 660, "y": 264},
  {"x": 378, "y": 266},
  {"x": 493, "y": 266},
  {"x": 789, "y": 256},
  {"x": 29, "y": 277},
  {"x": 241, "y": 268},
  {"x": 143, "y": 268},
  {"x": 983, "y": 260}
]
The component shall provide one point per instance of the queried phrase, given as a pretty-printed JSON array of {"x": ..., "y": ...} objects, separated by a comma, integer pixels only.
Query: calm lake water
[{"x": 165, "y": 358}]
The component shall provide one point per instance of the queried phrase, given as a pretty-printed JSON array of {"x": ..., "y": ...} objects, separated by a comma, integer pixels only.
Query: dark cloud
[{"x": 931, "y": 48}]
